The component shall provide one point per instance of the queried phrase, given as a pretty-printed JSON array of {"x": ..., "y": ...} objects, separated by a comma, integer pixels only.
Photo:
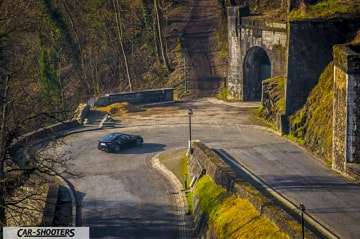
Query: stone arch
[{"x": 256, "y": 68}]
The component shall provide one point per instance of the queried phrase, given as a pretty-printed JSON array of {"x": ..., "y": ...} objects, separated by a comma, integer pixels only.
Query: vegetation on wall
[
  {"x": 313, "y": 123},
  {"x": 273, "y": 103},
  {"x": 229, "y": 216},
  {"x": 326, "y": 9}
]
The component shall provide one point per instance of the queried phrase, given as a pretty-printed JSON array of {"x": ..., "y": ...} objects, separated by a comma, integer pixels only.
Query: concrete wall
[
  {"x": 309, "y": 52},
  {"x": 248, "y": 36},
  {"x": 204, "y": 160},
  {"x": 245, "y": 35},
  {"x": 137, "y": 97},
  {"x": 53, "y": 131},
  {"x": 234, "y": 61},
  {"x": 346, "y": 109}
]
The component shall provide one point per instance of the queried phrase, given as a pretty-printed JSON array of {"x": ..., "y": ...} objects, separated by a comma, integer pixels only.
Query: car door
[{"x": 125, "y": 140}]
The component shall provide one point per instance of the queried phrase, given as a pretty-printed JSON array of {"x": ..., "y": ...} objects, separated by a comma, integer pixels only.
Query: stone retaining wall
[
  {"x": 53, "y": 131},
  {"x": 137, "y": 97},
  {"x": 346, "y": 115}
]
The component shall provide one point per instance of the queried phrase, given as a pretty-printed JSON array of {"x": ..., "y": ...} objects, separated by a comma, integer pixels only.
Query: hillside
[
  {"x": 58, "y": 54},
  {"x": 203, "y": 65}
]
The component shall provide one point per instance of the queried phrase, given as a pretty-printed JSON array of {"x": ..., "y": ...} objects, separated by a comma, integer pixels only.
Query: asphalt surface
[{"x": 124, "y": 196}]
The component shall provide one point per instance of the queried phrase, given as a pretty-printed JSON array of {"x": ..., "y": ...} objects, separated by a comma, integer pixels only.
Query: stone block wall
[
  {"x": 346, "y": 115},
  {"x": 235, "y": 15},
  {"x": 250, "y": 37}
]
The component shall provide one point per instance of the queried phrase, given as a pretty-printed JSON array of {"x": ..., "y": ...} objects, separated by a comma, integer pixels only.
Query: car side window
[{"x": 124, "y": 137}]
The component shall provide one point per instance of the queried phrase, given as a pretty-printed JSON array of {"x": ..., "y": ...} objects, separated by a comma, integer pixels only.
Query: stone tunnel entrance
[{"x": 257, "y": 68}]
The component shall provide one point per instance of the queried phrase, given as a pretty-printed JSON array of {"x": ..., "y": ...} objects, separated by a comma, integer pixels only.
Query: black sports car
[{"x": 116, "y": 141}]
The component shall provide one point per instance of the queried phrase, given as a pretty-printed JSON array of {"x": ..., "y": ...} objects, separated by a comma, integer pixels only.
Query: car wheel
[
  {"x": 117, "y": 148},
  {"x": 139, "y": 142}
]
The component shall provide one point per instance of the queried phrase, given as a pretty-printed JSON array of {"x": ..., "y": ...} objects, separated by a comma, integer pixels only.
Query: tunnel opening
[{"x": 257, "y": 68}]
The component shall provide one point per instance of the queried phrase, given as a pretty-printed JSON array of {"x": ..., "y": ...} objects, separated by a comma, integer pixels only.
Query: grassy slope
[{"x": 230, "y": 216}]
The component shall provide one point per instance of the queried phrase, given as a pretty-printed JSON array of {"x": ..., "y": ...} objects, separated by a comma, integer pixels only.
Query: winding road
[{"x": 125, "y": 195}]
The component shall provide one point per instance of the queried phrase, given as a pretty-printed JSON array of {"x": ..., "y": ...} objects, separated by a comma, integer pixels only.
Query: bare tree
[
  {"x": 3, "y": 153},
  {"x": 26, "y": 166},
  {"x": 118, "y": 21},
  {"x": 29, "y": 179},
  {"x": 162, "y": 48}
]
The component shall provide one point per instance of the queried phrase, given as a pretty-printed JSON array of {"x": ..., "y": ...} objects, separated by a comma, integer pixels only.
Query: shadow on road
[{"x": 143, "y": 149}]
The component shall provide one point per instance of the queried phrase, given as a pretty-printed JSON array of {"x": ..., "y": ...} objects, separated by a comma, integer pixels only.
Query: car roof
[{"x": 111, "y": 136}]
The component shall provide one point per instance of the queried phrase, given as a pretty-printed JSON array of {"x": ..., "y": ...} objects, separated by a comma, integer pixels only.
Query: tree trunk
[
  {"x": 162, "y": 49},
  {"x": 3, "y": 147},
  {"x": 78, "y": 43},
  {"x": 120, "y": 36}
]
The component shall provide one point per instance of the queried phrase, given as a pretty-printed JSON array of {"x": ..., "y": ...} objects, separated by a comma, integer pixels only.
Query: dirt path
[{"x": 205, "y": 69}]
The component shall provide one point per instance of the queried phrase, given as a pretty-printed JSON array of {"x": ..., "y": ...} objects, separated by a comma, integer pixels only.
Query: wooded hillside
[{"x": 57, "y": 53}]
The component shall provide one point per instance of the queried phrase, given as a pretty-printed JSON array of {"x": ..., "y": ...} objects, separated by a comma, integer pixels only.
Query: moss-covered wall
[
  {"x": 273, "y": 101},
  {"x": 313, "y": 122}
]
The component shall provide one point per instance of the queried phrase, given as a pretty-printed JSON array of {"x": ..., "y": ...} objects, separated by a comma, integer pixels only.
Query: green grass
[
  {"x": 223, "y": 94},
  {"x": 232, "y": 217},
  {"x": 176, "y": 161},
  {"x": 294, "y": 139},
  {"x": 326, "y": 9}
]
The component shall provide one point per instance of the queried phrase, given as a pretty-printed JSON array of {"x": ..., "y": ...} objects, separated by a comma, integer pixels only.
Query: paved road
[{"x": 123, "y": 196}]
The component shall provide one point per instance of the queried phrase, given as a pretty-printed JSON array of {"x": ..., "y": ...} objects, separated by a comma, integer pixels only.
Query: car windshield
[{"x": 109, "y": 137}]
